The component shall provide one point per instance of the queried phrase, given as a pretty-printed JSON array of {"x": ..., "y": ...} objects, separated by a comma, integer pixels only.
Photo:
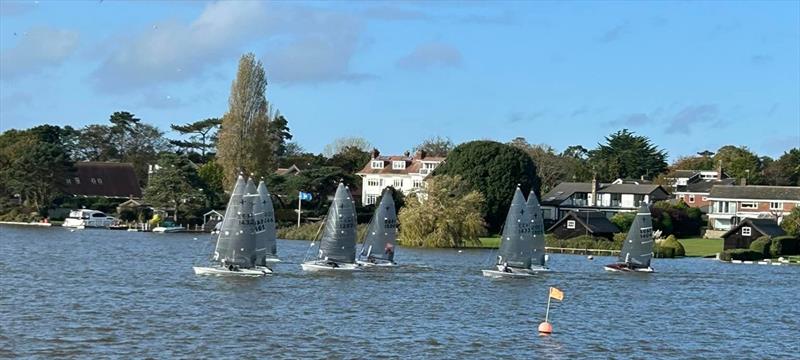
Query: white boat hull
[
  {"x": 164, "y": 230},
  {"x": 379, "y": 263},
  {"x": 618, "y": 268},
  {"x": 515, "y": 273},
  {"x": 314, "y": 266},
  {"x": 257, "y": 271},
  {"x": 272, "y": 260}
]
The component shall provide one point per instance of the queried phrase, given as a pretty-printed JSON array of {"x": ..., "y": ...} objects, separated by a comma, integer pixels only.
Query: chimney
[
  {"x": 743, "y": 181},
  {"x": 420, "y": 154},
  {"x": 594, "y": 190},
  {"x": 407, "y": 153},
  {"x": 375, "y": 153}
]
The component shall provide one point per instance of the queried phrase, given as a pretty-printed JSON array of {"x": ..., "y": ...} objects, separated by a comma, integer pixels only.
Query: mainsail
[
  {"x": 236, "y": 241},
  {"x": 638, "y": 247},
  {"x": 516, "y": 242},
  {"x": 537, "y": 228},
  {"x": 269, "y": 234},
  {"x": 258, "y": 227},
  {"x": 382, "y": 232},
  {"x": 339, "y": 236}
]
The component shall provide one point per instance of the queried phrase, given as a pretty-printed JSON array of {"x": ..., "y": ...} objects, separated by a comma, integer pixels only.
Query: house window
[
  {"x": 69, "y": 181},
  {"x": 100, "y": 181},
  {"x": 398, "y": 183},
  {"x": 429, "y": 166},
  {"x": 93, "y": 180},
  {"x": 746, "y": 231},
  {"x": 775, "y": 205},
  {"x": 705, "y": 198},
  {"x": 398, "y": 165},
  {"x": 77, "y": 180},
  {"x": 570, "y": 224},
  {"x": 377, "y": 164},
  {"x": 749, "y": 205},
  {"x": 691, "y": 198},
  {"x": 417, "y": 184},
  {"x": 373, "y": 182},
  {"x": 371, "y": 199}
]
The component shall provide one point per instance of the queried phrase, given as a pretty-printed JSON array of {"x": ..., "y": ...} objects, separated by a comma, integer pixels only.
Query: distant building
[
  {"x": 103, "y": 179},
  {"x": 730, "y": 204},
  {"x": 680, "y": 178},
  {"x": 291, "y": 170},
  {"x": 608, "y": 199},
  {"x": 696, "y": 194},
  {"x": 403, "y": 172},
  {"x": 748, "y": 230},
  {"x": 574, "y": 224}
]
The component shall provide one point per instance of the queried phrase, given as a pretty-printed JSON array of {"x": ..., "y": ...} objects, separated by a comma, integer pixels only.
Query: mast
[
  {"x": 537, "y": 229},
  {"x": 637, "y": 251},
  {"x": 515, "y": 243},
  {"x": 382, "y": 230},
  {"x": 339, "y": 235}
]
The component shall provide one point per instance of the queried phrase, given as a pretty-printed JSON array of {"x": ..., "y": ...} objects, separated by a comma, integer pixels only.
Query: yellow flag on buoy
[{"x": 556, "y": 294}]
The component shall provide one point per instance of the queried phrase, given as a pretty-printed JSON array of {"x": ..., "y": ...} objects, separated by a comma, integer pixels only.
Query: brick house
[{"x": 730, "y": 204}]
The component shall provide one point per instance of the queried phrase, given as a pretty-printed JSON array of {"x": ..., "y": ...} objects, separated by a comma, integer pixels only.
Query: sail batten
[
  {"x": 637, "y": 250},
  {"x": 382, "y": 232},
  {"x": 338, "y": 241}
]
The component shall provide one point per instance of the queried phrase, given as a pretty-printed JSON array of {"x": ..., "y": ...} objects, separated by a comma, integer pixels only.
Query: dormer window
[
  {"x": 398, "y": 165},
  {"x": 377, "y": 164}
]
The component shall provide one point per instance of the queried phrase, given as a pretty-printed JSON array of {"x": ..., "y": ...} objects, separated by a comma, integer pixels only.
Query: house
[
  {"x": 212, "y": 218},
  {"x": 730, "y": 204},
  {"x": 291, "y": 170},
  {"x": 680, "y": 178},
  {"x": 103, "y": 179},
  {"x": 696, "y": 194},
  {"x": 403, "y": 172},
  {"x": 574, "y": 224},
  {"x": 748, "y": 230},
  {"x": 608, "y": 199}
]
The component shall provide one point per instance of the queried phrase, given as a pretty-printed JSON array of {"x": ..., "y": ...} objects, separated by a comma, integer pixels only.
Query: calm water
[{"x": 101, "y": 293}]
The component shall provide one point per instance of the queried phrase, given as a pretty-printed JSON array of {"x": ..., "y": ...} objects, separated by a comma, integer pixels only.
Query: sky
[{"x": 689, "y": 75}]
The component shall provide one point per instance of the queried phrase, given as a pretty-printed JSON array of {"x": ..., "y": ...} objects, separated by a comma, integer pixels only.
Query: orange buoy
[{"x": 545, "y": 328}]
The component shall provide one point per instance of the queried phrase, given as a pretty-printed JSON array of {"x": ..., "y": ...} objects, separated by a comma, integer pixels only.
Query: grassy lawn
[
  {"x": 486, "y": 242},
  {"x": 701, "y": 247}
]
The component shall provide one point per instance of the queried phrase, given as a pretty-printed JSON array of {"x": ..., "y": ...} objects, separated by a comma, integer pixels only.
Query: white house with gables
[{"x": 403, "y": 172}]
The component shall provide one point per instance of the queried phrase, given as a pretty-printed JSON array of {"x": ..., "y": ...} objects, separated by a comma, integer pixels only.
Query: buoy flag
[{"x": 556, "y": 294}]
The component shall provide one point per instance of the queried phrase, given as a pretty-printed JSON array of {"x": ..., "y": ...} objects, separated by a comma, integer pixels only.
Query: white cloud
[
  {"x": 37, "y": 49},
  {"x": 431, "y": 55}
]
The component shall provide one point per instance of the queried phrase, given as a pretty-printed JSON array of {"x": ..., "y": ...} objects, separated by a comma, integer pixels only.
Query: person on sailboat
[
  {"x": 505, "y": 268},
  {"x": 389, "y": 252}
]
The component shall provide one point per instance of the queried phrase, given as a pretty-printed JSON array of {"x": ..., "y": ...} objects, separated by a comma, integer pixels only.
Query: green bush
[
  {"x": 762, "y": 245},
  {"x": 623, "y": 220},
  {"x": 310, "y": 230},
  {"x": 672, "y": 242},
  {"x": 584, "y": 242},
  {"x": 741, "y": 254},
  {"x": 784, "y": 245},
  {"x": 662, "y": 252}
]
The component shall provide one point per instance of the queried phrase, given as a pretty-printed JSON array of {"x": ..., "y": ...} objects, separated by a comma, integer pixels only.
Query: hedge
[
  {"x": 741, "y": 254},
  {"x": 762, "y": 245},
  {"x": 784, "y": 245},
  {"x": 584, "y": 242},
  {"x": 672, "y": 242},
  {"x": 309, "y": 230}
]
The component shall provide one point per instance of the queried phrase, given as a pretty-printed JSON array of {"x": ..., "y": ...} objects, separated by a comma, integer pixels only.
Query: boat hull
[
  {"x": 515, "y": 273},
  {"x": 314, "y": 266},
  {"x": 257, "y": 271},
  {"x": 378, "y": 263},
  {"x": 626, "y": 268},
  {"x": 167, "y": 230}
]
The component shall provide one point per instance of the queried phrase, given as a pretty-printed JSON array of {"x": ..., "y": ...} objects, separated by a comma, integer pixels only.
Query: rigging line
[
  {"x": 313, "y": 240},
  {"x": 366, "y": 233}
]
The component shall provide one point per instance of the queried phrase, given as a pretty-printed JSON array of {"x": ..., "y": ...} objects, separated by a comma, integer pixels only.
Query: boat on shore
[
  {"x": 235, "y": 253},
  {"x": 87, "y": 218},
  {"x": 337, "y": 247},
  {"x": 637, "y": 250},
  {"x": 380, "y": 241}
]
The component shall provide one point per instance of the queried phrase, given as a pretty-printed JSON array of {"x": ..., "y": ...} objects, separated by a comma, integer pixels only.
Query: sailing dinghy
[
  {"x": 337, "y": 249},
  {"x": 516, "y": 243},
  {"x": 269, "y": 236},
  {"x": 380, "y": 242},
  {"x": 235, "y": 253},
  {"x": 637, "y": 251},
  {"x": 538, "y": 258}
]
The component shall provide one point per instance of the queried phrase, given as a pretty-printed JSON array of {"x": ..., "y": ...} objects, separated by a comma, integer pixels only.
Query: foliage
[
  {"x": 662, "y": 252},
  {"x": 444, "y": 214},
  {"x": 739, "y": 162},
  {"x": 310, "y": 231},
  {"x": 676, "y": 219},
  {"x": 340, "y": 144},
  {"x": 243, "y": 137},
  {"x": 791, "y": 222},
  {"x": 627, "y": 155},
  {"x": 319, "y": 181},
  {"x": 741, "y": 254},
  {"x": 175, "y": 185},
  {"x": 585, "y": 242},
  {"x": 202, "y": 135},
  {"x": 278, "y": 132},
  {"x": 693, "y": 163},
  {"x": 785, "y": 170},
  {"x": 674, "y": 244},
  {"x": 211, "y": 175},
  {"x": 550, "y": 167},
  {"x": 784, "y": 245},
  {"x": 435, "y": 146},
  {"x": 351, "y": 159},
  {"x": 623, "y": 220},
  {"x": 494, "y": 170},
  {"x": 762, "y": 245}
]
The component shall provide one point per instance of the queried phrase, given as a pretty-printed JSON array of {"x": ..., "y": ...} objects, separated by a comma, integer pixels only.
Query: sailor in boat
[
  {"x": 371, "y": 258},
  {"x": 506, "y": 268},
  {"x": 389, "y": 252}
]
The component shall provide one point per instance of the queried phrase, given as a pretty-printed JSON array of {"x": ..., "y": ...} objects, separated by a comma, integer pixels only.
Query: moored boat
[{"x": 87, "y": 218}]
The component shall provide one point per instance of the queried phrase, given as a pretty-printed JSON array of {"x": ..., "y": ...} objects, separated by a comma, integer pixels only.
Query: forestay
[
  {"x": 637, "y": 250},
  {"x": 236, "y": 241},
  {"x": 517, "y": 240},
  {"x": 381, "y": 237},
  {"x": 537, "y": 229},
  {"x": 339, "y": 236}
]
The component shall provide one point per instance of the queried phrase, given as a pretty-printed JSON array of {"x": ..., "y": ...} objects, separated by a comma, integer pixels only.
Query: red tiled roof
[{"x": 413, "y": 165}]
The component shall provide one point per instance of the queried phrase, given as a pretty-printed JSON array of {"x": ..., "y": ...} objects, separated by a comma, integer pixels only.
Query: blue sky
[{"x": 689, "y": 75}]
